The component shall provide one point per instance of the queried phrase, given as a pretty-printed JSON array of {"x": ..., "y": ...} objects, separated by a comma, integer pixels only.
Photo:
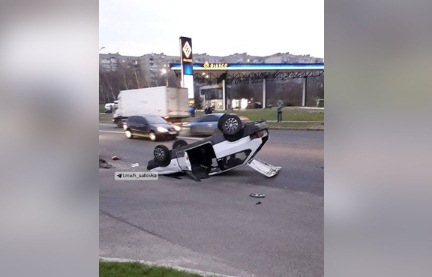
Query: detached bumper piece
[{"x": 264, "y": 168}]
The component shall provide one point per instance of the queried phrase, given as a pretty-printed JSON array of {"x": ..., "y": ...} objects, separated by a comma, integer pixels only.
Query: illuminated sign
[
  {"x": 186, "y": 55},
  {"x": 187, "y": 50},
  {"x": 208, "y": 65}
]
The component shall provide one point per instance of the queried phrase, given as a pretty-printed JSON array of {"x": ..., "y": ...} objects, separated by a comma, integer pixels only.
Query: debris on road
[
  {"x": 104, "y": 164},
  {"x": 264, "y": 168},
  {"x": 135, "y": 164},
  {"x": 257, "y": 195},
  {"x": 258, "y": 203},
  {"x": 115, "y": 158},
  {"x": 175, "y": 176}
]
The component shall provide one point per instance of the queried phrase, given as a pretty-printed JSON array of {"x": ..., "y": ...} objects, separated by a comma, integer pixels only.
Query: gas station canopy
[
  {"x": 237, "y": 73},
  {"x": 234, "y": 73}
]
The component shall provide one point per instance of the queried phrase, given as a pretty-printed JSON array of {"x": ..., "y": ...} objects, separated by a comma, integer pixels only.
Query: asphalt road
[{"x": 214, "y": 225}]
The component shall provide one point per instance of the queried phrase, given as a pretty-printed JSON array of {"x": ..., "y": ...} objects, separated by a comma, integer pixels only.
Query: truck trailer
[{"x": 169, "y": 103}]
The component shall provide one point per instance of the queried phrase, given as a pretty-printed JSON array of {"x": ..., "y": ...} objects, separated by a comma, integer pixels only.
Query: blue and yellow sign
[
  {"x": 208, "y": 65},
  {"x": 186, "y": 55}
]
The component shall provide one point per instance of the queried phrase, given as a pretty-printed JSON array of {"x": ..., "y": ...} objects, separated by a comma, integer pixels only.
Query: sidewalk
[
  {"x": 318, "y": 127},
  {"x": 296, "y": 121},
  {"x": 315, "y": 128}
]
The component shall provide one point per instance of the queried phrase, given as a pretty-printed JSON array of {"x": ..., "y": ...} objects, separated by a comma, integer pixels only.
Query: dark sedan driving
[{"x": 151, "y": 126}]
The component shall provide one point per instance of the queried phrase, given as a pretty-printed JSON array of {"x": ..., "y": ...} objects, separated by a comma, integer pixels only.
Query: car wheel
[
  {"x": 221, "y": 119},
  {"x": 152, "y": 136},
  {"x": 162, "y": 155},
  {"x": 128, "y": 134},
  {"x": 230, "y": 124},
  {"x": 119, "y": 122},
  {"x": 179, "y": 143}
]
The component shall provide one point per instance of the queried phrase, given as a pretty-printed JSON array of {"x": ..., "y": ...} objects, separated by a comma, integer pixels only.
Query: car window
[
  {"x": 203, "y": 119},
  {"x": 131, "y": 120},
  {"x": 209, "y": 118},
  {"x": 140, "y": 120},
  {"x": 156, "y": 120},
  {"x": 234, "y": 159}
]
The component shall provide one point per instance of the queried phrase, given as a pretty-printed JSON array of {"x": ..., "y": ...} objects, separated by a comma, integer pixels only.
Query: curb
[
  {"x": 194, "y": 271},
  {"x": 295, "y": 129}
]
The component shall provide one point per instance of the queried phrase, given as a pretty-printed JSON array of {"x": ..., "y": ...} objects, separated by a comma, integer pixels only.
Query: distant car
[
  {"x": 151, "y": 126},
  {"x": 109, "y": 107},
  {"x": 236, "y": 144},
  {"x": 207, "y": 124},
  {"x": 255, "y": 105}
]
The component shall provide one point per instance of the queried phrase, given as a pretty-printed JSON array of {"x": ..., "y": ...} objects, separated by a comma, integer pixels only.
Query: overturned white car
[{"x": 234, "y": 145}]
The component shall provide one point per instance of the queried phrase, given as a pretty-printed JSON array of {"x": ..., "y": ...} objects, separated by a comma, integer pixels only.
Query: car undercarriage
[{"x": 223, "y": 151}]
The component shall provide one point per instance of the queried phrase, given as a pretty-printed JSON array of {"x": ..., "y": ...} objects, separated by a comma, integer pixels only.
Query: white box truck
[{"x": 169, "y": 103}]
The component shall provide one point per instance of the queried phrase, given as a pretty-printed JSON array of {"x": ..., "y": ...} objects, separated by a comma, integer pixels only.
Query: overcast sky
[{"x": 222, "y": 27}]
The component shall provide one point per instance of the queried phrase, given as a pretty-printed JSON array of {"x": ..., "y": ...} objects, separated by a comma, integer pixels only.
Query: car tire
[
  {"x": 162, "y": 155},
  {"x": 221, "y": 119},
  {"x": 230, "y": 124},
  {"x": 152, "y": 136},
  {"x": 179, "y": 143},
  {"x": 129, "y": 134},
  {"x": 119, "y": 122}
]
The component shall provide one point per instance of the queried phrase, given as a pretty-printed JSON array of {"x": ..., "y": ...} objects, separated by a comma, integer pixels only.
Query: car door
[
  {"x": 200, "y": 126},
  {"x": 131, "y": 124},
  {"x": 142, "y": 126},
  {"x": 208, "y": 124}
]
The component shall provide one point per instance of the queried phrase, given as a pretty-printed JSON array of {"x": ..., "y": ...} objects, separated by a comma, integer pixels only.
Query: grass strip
[{"x": 135, "y": 269}]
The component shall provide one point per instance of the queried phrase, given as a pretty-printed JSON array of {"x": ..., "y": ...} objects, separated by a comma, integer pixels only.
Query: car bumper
[{"x": 167, "y": 134}]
